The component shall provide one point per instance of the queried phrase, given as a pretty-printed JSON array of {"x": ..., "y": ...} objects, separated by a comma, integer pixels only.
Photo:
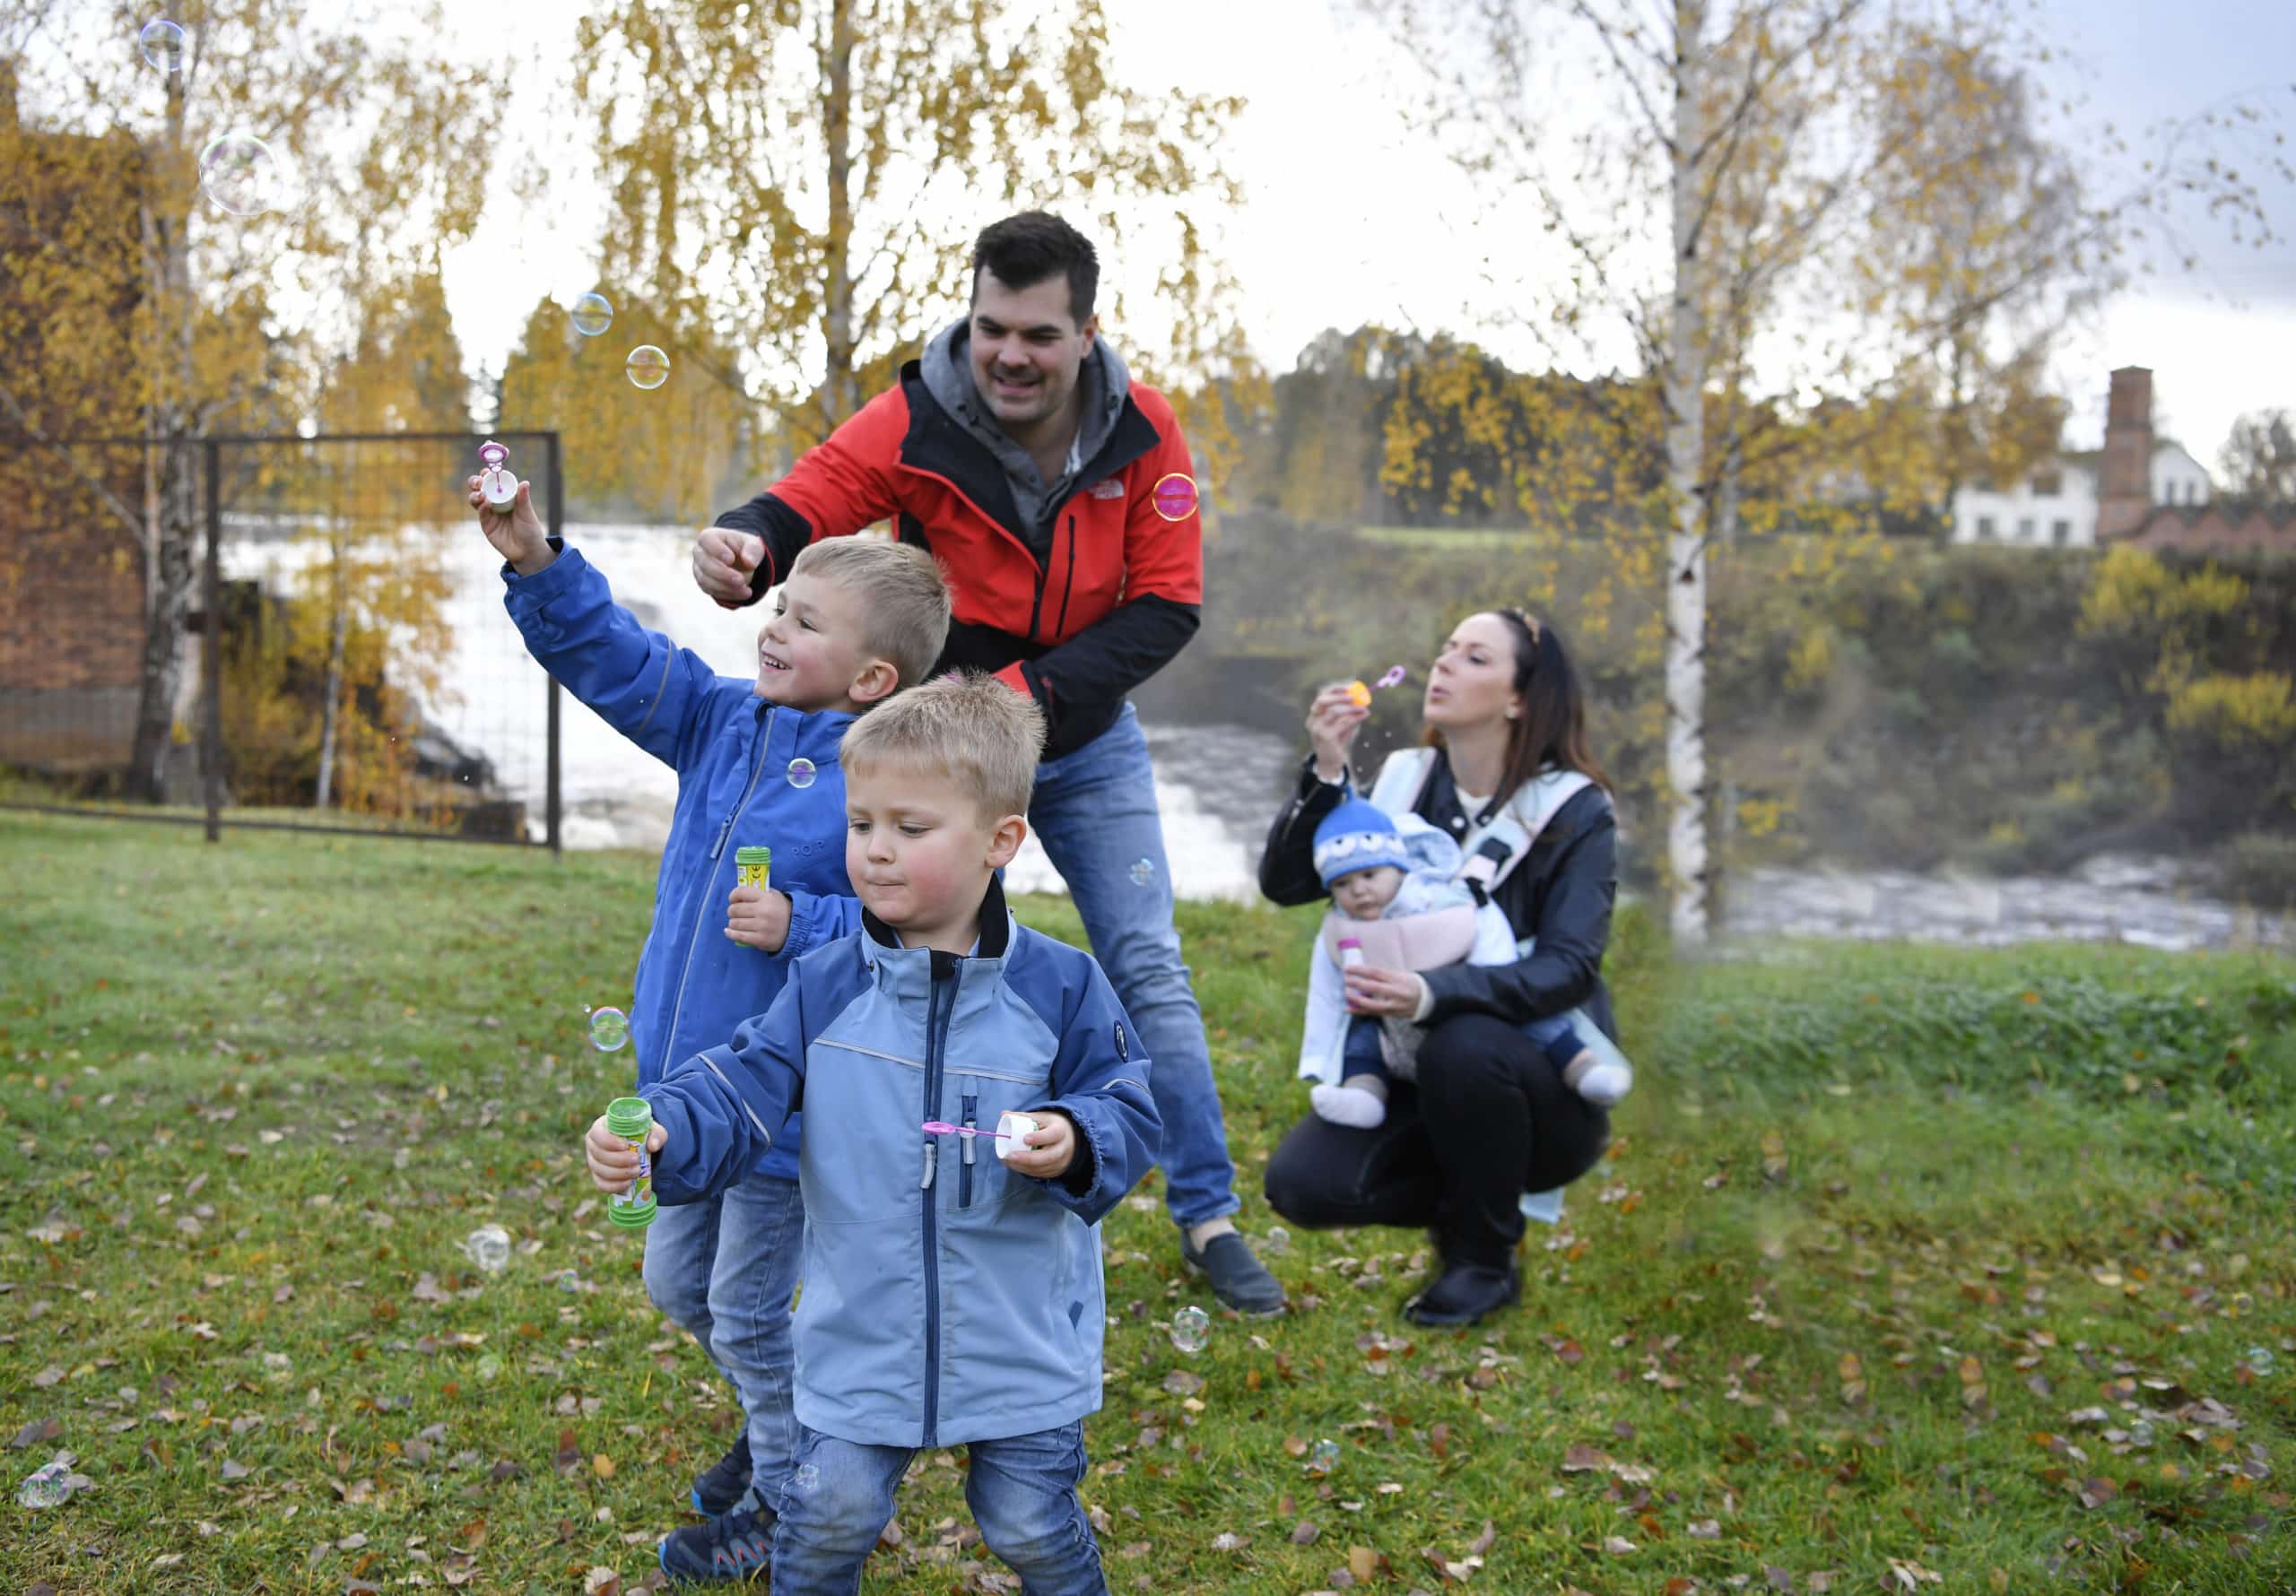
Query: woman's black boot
[{"x": 1464, "y": 1293}]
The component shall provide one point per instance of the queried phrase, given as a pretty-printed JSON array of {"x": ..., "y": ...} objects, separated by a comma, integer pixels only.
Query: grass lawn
[{"x": 1910, "y": 1269}]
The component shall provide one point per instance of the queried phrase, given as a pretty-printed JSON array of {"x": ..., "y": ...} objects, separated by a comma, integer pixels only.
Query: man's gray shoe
[{"x": 1238, "y": 1279}]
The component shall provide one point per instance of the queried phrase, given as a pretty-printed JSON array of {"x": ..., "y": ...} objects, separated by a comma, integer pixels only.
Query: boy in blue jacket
[
  {"x": 950, "y": 1296},
  {"x": 857, "y": 620}
]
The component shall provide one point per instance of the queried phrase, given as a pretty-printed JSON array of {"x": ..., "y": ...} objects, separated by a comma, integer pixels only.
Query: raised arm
[
  {"x": 839, "y": 486},
  {"x": 1287, "y": 864}
]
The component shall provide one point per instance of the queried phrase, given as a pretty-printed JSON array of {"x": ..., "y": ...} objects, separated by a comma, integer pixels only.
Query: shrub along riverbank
[{"x": 1890, "y": 704}]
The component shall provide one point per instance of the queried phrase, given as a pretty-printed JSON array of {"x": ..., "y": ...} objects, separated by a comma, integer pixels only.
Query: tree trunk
[
  {"x": 331, "y": 711},
  {"x": 1685, "y": 388},
  {"x": 839, "y": 392},
  {"x": 168, "y": 604}
]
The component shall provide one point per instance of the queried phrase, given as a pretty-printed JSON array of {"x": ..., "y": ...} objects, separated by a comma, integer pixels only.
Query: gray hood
[{"x": 1104, "y": 382}]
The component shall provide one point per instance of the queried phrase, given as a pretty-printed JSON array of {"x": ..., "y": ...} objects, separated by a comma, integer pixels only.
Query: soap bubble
[
  {"x": 801, "y": 774},
  {"x": 47, "y": 1486},
  {"x": 1323, "y": 1457},
  {"x": 2140, "y": 1434},
  {"x": 593, "y": 315},
  {"x": 805, "y": 1477},
  {"x": 489, "y": 1247},
  {"x": 1142, "y": 872},
  {"x": 162, "y": 43},
  {"x": 609, "y": 1029},
  {"x": 490, "y": 1368},
  {"x": 649, "y": 366},
  {"x": 1276, "y": 1242},
  {"x": 239, "y": 173},
  {"x": 2259, "y": 1360},
  {"x": 1191, "y": 1329}
]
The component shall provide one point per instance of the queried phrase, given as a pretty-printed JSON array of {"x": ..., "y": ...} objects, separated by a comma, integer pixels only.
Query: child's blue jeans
[
  {"x": 1021, "y": 1490},
  {"x": 725, "y": 1269}
]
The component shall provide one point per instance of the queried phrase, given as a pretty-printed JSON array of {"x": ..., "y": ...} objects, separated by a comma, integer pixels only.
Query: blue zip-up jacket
[
  {"x": 947, "y": 1299},
  {"x": 732, "y": 751}
]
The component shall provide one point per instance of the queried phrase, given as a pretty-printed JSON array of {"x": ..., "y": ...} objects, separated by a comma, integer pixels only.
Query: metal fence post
[
  {"x": 211, "y": 752},
  {"x": 557, "y": 485}
]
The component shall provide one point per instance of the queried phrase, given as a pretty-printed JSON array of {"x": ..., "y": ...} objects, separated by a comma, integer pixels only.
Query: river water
[{"x": 1217, "y": 783}]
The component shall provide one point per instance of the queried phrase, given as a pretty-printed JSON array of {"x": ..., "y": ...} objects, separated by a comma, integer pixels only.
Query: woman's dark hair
[
  {"x": 1551, "y": 729},
  {"x": 1023, "y": 251}
]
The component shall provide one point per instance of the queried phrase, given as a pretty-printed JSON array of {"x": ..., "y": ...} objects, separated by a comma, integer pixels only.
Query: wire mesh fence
[{"x": 276, "y": 631}]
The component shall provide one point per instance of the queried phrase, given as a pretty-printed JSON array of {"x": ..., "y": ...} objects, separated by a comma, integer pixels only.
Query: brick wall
[
  {"x": 71, "y": 640},
  {"x": 2219, "y": 526}
]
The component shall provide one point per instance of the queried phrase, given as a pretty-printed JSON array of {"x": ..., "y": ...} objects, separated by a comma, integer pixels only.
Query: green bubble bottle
[
  {"x": 630, "y": 1118},
  {"x": 752, "y": 867}
]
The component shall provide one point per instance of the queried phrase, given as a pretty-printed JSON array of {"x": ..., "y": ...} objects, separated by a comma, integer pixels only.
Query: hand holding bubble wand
[
  {"x": 1360, "y": 695},
  {"x": 497, "y": 484}
]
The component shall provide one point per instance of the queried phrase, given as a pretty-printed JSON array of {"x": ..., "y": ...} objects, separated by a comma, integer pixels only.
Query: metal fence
[{"x": 343, "y": 662}]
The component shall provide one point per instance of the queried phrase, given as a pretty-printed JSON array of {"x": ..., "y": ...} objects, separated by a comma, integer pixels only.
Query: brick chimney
[{"x": 2125, "y": 480}]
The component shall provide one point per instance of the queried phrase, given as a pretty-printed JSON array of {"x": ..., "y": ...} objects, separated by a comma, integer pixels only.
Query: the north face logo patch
[
  {"x": 1122, "y": 1051},
  {"x": 1111, "y": 489}
]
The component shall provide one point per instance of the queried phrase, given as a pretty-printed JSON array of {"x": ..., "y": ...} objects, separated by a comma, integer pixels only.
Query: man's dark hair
[{"x": 1025, "y": 250}]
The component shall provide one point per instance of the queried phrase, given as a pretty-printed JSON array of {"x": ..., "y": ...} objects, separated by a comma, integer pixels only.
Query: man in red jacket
[{"x": 1059, "y": 497}]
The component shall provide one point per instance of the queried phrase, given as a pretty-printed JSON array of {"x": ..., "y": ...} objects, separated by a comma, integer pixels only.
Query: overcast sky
[{"x": 1350, "y": 217}]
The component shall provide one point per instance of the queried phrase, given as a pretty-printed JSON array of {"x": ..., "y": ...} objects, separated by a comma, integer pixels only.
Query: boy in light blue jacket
[
  {"x": 856, "y": 620},
  {"x": 951, "y": 1295}
]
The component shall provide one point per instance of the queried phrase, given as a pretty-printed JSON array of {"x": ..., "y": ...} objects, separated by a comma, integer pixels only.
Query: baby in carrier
[{"x": 1399, "y": 902}]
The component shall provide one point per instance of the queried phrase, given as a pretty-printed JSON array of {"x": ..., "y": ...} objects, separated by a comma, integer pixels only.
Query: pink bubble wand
[{"x": 1360, "y": 695}]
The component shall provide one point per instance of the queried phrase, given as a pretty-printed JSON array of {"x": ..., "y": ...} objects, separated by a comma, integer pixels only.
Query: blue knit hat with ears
[{"x": 1357, "y": 836}]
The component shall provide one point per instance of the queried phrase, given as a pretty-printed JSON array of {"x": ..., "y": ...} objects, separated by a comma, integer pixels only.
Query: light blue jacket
[
  {"x": 947, "y": 1299},
  {"x": 732, "y": 751}
]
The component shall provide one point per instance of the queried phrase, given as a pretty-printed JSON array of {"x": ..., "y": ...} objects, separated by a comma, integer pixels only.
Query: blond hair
[
  {"x": 905, "y": 607},
  {"x": 976, "y": 731}
]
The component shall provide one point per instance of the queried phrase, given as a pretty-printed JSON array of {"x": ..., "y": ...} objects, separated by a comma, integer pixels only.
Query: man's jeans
[
  {"x": 1021, "y": 1490},
  {"x": 1095, "y": 811},
  {"x": 725, "y": 1269}
]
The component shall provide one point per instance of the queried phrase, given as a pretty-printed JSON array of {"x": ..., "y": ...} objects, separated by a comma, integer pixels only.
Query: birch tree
[
  {"x": 365, "y": 135},
  {"x": 1720, "y": 191},
  {"x": 800, "y": 181}
]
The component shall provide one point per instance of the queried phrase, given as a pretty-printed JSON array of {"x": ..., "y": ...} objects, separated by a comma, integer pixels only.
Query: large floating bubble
[
  {"x": 239, "y": 173},
  {"x": 163, "y": 45},
  {"x": 1191, "y": 1329},
  {"x": 649, "y": 366},
  {"x": 592, "y": 314},
  {"x": 609, "y": 1029}
]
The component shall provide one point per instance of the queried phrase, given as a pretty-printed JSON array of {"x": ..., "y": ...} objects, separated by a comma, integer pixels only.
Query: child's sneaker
[
  {"x": 734, "y": 1545},
  {"x": 721, "y": 1487}
]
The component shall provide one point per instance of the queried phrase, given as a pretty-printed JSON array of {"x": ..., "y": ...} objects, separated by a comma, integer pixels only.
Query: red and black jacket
[{"x": 1117, "y": 592}]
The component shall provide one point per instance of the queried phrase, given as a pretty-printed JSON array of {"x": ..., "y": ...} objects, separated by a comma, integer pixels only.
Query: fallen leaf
[
  {"x": 602, "y": 1466},
  {"x": 1485, "y": 1541},
  {"x": 1304, "y": 1533},
  {"x": 1618, "y": 1546},
  {"x": 1228, "y": 1540},
  {"x": 1362, "y": 1562},
  {"x": 600, "y": 1582},
  {"x": 1580, "y": 1459}
]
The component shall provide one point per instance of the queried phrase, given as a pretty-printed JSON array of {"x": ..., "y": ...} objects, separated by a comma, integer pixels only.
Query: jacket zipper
[
  {"x": 964, "y": 1173},
  {"x": 935, "y": 1035},
  {"x": 1061, "y": 625},
  {"x": 757, "y": 767}
]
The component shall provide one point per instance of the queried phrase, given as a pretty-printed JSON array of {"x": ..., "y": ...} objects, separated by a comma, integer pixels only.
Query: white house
[
  {"x": 2057, "y": 505},
  {"x": 2054, "y": 508}
]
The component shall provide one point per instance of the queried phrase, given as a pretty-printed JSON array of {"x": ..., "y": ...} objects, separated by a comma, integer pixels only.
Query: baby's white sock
[
  {"x": 1360, "y": 1102},
  {"x": 1600, "y": 1080}
]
